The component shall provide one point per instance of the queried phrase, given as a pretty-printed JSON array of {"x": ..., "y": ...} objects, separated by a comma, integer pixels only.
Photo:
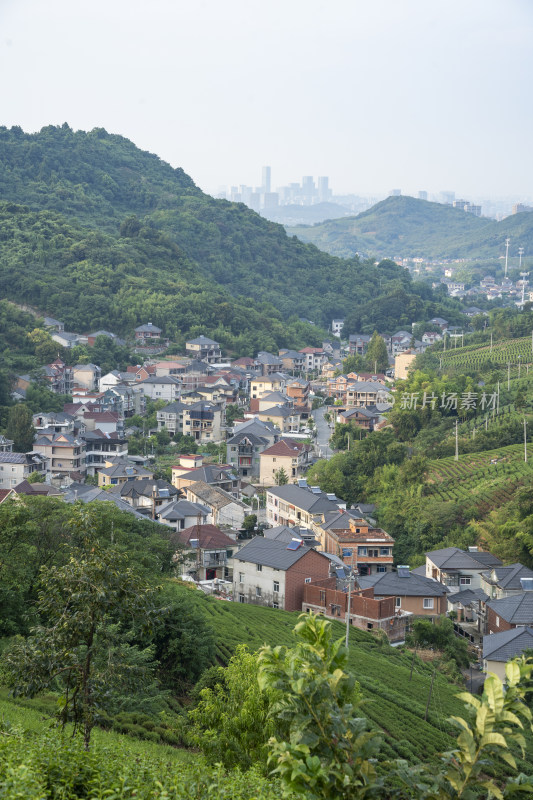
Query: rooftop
[
  {"x": 507, "y": 644},
  {"x": 272, "y": 553}
]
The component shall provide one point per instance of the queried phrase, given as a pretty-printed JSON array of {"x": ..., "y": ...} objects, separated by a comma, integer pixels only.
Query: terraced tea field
[
  {"x": 485, "y": 480},
  {"x": 479, "y": 358},
  {"x": 393, "y": 703}
]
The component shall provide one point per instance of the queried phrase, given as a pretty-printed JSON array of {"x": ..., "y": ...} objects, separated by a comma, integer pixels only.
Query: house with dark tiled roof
[
  {"x": 459, "y": 569},
  {"x": 417, "y": 594},
  {"x": 146, "y": 495},
  {"x": 511, "y": 612},
  {"x": 204, "y": 349},
  {"x": 504, "y": 581},
  {"x": 212, "y": 474},
  {"x": 224, "y": 508},
  {"x": 181, "y": 514},
  {"x": 299, "y": 505},
  {"x": 64, "y": 454},
  {"x": 147, "y": 331},
  {"x": 271, "y": 572},
  {"x": 120, "y": 472},
  {"x": 243, "y": 453},
  {"x": 499, "y": 648},
  {"x": 16, "y": 467}
]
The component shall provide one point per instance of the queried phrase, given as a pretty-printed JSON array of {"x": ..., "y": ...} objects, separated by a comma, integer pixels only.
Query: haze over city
[{"x": 375, "y": 95}]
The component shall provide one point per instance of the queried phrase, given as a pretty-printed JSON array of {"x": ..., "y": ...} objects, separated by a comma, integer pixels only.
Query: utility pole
[
  {"x": 524, "y": 275},
  {"x": 508, "y": 376},
  {"x": 498, "y": 398},
  {"x": 520, "y": 254},
  {"x": 506, "y": 254},
  {"x": 519, "y": 363},
  {"x": 456, "y": 440},
  {"x": 349, "y": 602},
  {"x": 525, "y": 439},
  {"x": 429, "y": 696},
  {"x": 491, "y": 341}
]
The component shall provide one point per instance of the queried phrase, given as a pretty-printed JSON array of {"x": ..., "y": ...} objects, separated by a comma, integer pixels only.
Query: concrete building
[
  {"x": 499, "y": 648},
  {"x": 458, "y": 569},
  {"x": 269, "y": 572},
  {"x": 16, "y": 467},
  {"x": 422, "y": 597}
]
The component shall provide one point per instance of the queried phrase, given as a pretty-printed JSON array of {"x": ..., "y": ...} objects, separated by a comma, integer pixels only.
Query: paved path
[{"x": 323, "y": 433}]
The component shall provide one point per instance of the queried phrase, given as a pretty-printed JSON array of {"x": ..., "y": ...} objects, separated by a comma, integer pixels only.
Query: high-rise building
[
  {"x": 422, "y": 195},
  {"x": 395, "y": 193},
  {"x": 447, "y": 197},
  {"x": 323, "y": 189},
  {"x": 266, "y": 182},
  {"x": 270, "y": 200}
]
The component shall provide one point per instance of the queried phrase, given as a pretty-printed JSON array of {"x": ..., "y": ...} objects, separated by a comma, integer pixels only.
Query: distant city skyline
[
  {"x": 420, "y": 95},
  {"x": 310, "y": 190}
]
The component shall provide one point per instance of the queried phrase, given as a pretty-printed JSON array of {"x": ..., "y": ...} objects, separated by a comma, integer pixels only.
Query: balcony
[{"x": 214, "y": 560}]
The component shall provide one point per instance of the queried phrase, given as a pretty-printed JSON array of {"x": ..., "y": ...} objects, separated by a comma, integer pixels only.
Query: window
[
  {"x": 497, "y": 622},
  {"x": 275, "y": 605},
  {"x": 258, "y": 592},
  {"x": 381, "y": 568},
  {"x": 259, "y": 567},
  {"x": 322, "y": 598},
  {"x": 465, "y": 581},
  {"x": 398, "y": 602},
  {"x": 428, "y": 602},
  {"x": 273, "y": 459},
  {"x": 276, "y": 586},
  {"x": 241, "y": 598},
  {"x": 385, "y": 551},
  {"x": 361, "y": 551},
  {"x": 308, "y": 580},
  {"x": 241, "y": 577}
]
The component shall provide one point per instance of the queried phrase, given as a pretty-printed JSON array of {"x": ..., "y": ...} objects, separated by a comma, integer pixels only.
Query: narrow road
[{"x": 323, "y": 433}]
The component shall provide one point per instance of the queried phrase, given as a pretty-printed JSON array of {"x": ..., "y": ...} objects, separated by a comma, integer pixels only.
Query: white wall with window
[{"x": 258, "y": 584}]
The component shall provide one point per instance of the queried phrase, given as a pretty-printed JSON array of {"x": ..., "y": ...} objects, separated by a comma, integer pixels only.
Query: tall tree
[
  {"x": 377, "y": 358},
  {"x": 78, "y": 648},
  {"x": 20, "y": 428}
]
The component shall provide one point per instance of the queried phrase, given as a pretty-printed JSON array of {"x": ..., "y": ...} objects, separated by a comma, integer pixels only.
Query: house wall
[
  {"x": 496, "y": 667},
  {"x": 271, "y": 464},
  {"x": 416, "y": 605},
  {"x": 312, "y": 565},
  {"x": 402, "y": 362},
  {"x": 12, "y": 474},
  {"x": 471, "y": 578},
  {"x": 366, "y": 612},
  {"x": 247, "y": 578},
  {"x": 495, "y": 623},
  {"x": 260, "y": 386}
]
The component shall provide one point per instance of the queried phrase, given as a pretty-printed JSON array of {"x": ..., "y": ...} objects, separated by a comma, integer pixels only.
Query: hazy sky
[{"x": 414, "y": 94}]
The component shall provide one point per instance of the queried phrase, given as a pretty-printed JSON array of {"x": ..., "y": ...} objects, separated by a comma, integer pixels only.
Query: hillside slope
[
  {"x": 406, "y": 227},
  {"x": 102, "y": 181}
]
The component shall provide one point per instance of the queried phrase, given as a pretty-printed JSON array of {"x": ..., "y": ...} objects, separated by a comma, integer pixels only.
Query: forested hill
[
  {"x": 158, "y": 243},
  {"x": 406, "y": 227}
]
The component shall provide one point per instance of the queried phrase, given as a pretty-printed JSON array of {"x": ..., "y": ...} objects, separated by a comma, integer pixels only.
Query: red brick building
[
  {"x": 269, "y": 572},
  {"x": 328, "y": 598}
]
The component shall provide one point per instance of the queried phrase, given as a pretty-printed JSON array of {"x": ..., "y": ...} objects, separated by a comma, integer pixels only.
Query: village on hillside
[{"x": 238, "y": 504}]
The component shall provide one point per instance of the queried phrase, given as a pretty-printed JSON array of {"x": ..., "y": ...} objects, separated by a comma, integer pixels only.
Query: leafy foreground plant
[
  {"x": 330, "y": 753},
  {"x": 81, "y": 649}
]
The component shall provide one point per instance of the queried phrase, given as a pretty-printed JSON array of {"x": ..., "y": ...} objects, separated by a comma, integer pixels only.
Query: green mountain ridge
[
  {"x": 405, "y": 227},
  {"x": 120, "y": 224}
]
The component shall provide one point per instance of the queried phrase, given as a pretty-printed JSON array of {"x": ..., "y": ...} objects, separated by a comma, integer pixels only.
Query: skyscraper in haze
[
  {"x": 323, "y": 189},
  {"x": 266, "y": 182},
  {"x": 422, "y": 195}
]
